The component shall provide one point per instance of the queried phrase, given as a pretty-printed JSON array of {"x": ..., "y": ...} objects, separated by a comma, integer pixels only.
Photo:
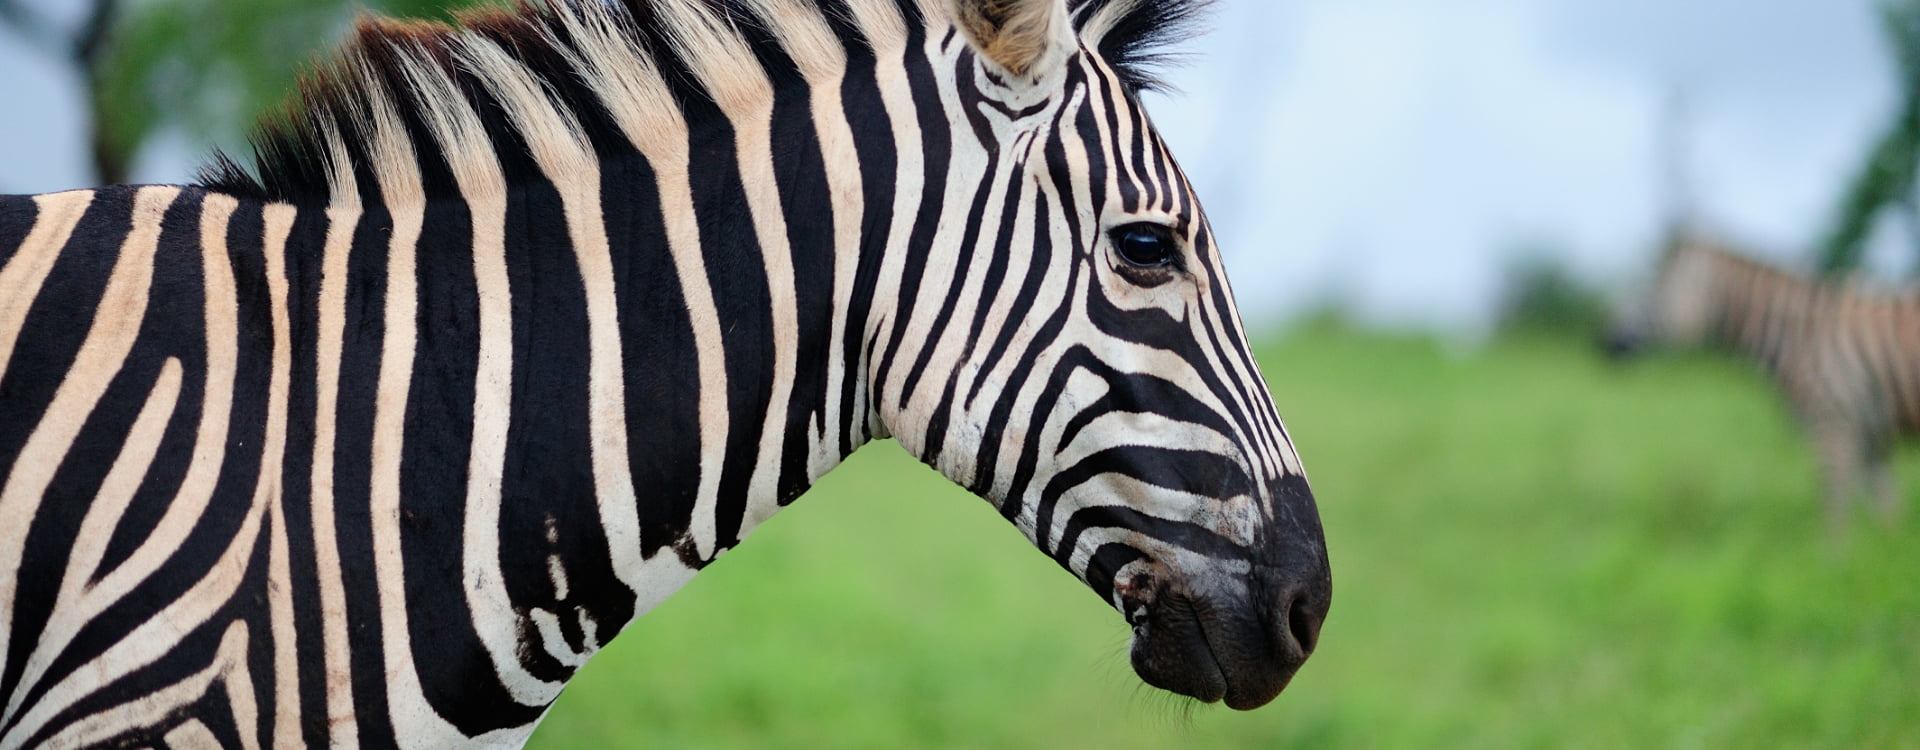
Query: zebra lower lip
[{"x": 1172, "y": 653}]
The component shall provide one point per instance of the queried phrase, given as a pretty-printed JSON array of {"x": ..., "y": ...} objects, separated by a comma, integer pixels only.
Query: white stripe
[
  {"x": 192, "y": 735},
  {"x": 278, "y": 220},
  {"x": 343, "y": 219}
]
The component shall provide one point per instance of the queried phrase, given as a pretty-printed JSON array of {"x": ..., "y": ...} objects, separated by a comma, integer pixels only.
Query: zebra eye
[{"x": 1144, "y": 245}]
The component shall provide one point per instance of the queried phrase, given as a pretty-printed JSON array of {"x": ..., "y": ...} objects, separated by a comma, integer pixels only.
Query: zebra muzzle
[{"x": 1217, "y": 637}]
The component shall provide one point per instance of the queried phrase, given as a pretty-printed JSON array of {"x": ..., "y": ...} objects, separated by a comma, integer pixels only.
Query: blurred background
[{"x": 1426, "y": 207}]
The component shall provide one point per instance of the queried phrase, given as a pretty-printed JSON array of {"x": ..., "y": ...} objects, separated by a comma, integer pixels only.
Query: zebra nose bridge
[
  {"x": 1294, "y": 550},
  {"x": 1254, "y": 472}
]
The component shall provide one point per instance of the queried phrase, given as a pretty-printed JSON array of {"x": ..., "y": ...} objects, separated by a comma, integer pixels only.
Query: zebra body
[
  {"x": 1845, "y": 358},
  {"x": 523, "y": 323}
]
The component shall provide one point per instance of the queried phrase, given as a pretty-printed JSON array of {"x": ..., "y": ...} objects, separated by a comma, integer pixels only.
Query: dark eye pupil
[{"x": 1144, "y": 247}]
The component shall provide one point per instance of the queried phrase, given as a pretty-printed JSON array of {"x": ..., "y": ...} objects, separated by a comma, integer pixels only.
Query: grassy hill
[{"x": 1530, "y": 549}]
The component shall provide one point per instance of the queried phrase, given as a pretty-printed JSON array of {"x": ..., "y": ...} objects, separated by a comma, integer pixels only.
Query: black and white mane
[{"x": 292, "y": 158}]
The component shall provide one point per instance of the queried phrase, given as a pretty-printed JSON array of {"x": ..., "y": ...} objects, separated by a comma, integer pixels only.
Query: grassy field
[{"x": 1530, "y": 549}]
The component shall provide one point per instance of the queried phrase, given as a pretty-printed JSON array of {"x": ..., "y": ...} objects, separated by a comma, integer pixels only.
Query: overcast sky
[{"x": 1397, "y": 153}]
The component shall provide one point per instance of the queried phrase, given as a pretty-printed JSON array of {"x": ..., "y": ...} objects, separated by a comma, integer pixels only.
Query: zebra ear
[{"x": 1027, "y": 37}]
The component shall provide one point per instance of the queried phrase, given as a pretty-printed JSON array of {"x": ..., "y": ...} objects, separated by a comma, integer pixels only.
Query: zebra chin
[{"x": 1225, "y": 630}]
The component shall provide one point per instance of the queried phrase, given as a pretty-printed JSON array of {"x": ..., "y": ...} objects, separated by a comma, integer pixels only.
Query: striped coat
[
  {"x": 1846, "y": 358},
  {"x": 516, "y": 325}
]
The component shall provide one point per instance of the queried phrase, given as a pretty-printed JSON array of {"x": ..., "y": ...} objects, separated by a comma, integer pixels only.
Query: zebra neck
[
  {"x": 548, "y": 394},
  {"x": 591, "y": 383},
  {"x": 662, "y": 340},
  {"x": 1762, "y": 311}
]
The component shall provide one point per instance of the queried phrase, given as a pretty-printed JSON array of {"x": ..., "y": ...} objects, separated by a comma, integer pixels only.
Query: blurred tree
[
  {"x": 203, "y": 67},
  {"x": 1887, "y": 179},
  {"x": 1544, "y": 297},
  {"x": 83, "y": 47}
]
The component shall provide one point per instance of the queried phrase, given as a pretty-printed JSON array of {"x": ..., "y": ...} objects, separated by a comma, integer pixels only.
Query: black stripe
[
  {"x": 1189, "y": 536},
  {"x": 879, "y": 165},
  {"x": 301, "y": 259},
  {"x": 17, "y": 215},
  {"x": 1139, "y": 148},
  {"x": 1000, "y": 421},
  {"x": 247, "y": 435},
  {"x": 1060, "y": 171},
  {"x": 1225, "y": 381},
  {"x": 1271, "y": 433},
  {"x": 453, "y": 666},
  {"x": 174, "y": 328},
  {"x": 1196, "y": 472},
  {"x": 800, "y": 170},
  {"x": 656, "y": 334},
  {"x": 360, "y": 364},
  {"x": 1101, "y": 140},
  {"x": 1104, "y": 564},
  {"x": 736, "y": 273},
  {"x": 548, "y": 469},
  {"x": 66, "y": 303},
  {"x": 1144, "y": 394},
  {"x": 1024, "y": 302},
  {"x": 990, "y": 284}
]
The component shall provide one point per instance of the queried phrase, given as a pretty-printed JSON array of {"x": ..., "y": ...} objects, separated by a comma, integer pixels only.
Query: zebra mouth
[
  {"x": 1213, "y": 651},
  {"x": 1192, "y": 670}
]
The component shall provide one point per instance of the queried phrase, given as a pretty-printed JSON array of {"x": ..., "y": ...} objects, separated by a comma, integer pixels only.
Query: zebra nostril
[{"x": 1303, "y": 624}]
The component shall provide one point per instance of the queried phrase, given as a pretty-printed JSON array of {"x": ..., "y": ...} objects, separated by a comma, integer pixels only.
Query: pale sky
[{"x": 1394, "y": 153}]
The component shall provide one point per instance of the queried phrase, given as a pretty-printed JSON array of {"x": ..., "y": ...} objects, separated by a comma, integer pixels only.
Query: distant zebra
[
  {"x": 525, "y": 321},
  {"x": 1846, "y": 358}
]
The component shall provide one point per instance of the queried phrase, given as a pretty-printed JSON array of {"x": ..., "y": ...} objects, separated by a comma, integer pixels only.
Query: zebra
[
  {"x": 1845, "y": 357},
  {"x": 516, "y": 323}
]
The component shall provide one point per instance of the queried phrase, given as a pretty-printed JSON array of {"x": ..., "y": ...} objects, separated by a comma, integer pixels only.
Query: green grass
[{"x": 1530, "y": 549}]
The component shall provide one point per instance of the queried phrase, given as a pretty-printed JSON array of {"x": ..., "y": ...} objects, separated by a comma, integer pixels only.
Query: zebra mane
[
  {"x": 1136, "y": 37},
  {"x": 1742, "y": 260},
  {"x": 325, "y": 131}
]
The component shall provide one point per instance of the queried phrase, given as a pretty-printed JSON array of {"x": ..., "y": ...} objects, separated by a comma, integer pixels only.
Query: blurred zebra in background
[
  {"x": 521, "y": 323},
  {"x": 1845, "y": 357}
]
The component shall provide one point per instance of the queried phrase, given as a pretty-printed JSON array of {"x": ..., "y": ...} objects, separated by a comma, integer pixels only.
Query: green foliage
[
  {"x": 1543, "y": 297},
  {"x": 1530, "y": 549},
  {"x": 207, "y": 68},
  {"x": 1886, "y": 180}
]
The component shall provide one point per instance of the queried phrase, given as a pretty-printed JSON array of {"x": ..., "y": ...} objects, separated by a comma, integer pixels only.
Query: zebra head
[
  {"x": 1068, "y": 348},
  {"x": 1675, "y": 307}
]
